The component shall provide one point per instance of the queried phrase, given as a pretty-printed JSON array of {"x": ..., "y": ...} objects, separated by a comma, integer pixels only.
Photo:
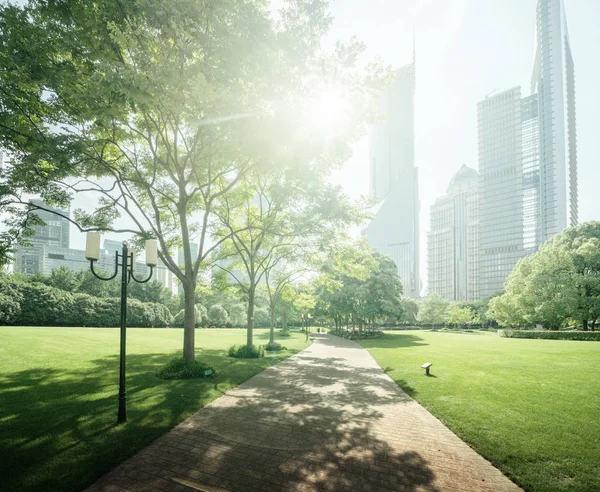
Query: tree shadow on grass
[
  {"x": 394, "y": 340},
  {"x": 59, "y": 429},
  {"x": 309, "y": 424}
]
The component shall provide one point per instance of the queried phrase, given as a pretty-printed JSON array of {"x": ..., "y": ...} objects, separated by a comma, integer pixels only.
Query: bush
[
  {"x": 274, "y": 347},
  {"x": 245, "y": 352},
  {"x": 552, "y": 335},
  {"x": 284, "y": 333},
  {"x": 179, "y": 369},
  {"x": 217, "y": 315},
  {"x": 37, "y": 304}
]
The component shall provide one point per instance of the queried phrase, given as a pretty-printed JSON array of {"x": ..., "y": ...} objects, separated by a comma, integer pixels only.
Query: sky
[{"x": 465, "y": 49}]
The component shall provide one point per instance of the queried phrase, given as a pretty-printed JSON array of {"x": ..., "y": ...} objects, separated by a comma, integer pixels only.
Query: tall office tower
[
  {"x": 56, "y": 230},
  {"x": 553, "y": 79},
  {"x": 528, "y": 155},
  {"x": 500, "y": 188},
  {"x": 394, "y": 181},
  {"x": 453, "y": 241}
]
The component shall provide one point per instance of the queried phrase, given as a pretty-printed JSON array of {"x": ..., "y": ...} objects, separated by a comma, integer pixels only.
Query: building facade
[
  {"x": 394, "y": 231},
  {"x": 500, "y": 188},
  {"x": 528, "y": 155},
  {"x": 453, "y": 240},
  {"x": 49, "y": 249},
  {"x": 553, "y": 80}
]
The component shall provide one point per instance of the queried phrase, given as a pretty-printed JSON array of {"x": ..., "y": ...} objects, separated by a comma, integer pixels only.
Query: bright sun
[{"x": 328, "y": 110}]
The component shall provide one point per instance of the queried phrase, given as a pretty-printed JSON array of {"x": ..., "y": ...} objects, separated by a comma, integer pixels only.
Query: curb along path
[{"x": 327, "y": 418}]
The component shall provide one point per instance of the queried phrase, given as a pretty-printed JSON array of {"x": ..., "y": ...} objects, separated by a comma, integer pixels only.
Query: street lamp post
[{"x": 127, "y": 264}]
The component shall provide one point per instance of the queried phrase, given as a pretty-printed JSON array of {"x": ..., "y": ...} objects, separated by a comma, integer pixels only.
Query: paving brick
[{"x": 325, "y": 419}]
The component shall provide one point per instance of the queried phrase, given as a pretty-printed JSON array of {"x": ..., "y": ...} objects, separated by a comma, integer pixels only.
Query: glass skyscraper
[
  {"x": 453, "y": 240},
  {"x": 528, "y": 156},
  {"x": 394, "y": 181},
  {"x": 553, "y": 79}
]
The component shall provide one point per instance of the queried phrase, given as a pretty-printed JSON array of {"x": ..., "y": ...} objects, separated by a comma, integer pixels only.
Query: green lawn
[
  {"x": 58, "y": 397},
  {"x": 531, "y": 407}
]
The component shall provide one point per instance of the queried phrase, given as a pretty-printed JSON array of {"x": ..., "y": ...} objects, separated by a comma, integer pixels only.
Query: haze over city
[{"x": 465, "y": 50}]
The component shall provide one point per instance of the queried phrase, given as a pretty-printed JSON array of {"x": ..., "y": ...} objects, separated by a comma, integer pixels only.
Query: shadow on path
[{"x": 305, "y": 424}]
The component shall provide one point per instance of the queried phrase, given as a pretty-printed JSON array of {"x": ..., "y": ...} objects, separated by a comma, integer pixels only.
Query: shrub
[
  {"x": 245, "y": 352},
  {"x": 284, "y": 333},
  {"x": 217, "y": 315},
  {"x": 552, "y": 335},
  {"x": 274, "y": 347},
  {"x": 179, "y": 369}
]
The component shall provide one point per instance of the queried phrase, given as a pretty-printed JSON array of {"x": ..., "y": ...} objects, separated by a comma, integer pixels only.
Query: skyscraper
[
  {"x": 500, "y": 188},
  {"x": 528, "y": 155},
  {"x": 394, "y": 181},
  {"x": 453, "y": 249},
  {"x": 553, "y": 79},
  {"x": 55, "y": 232}
]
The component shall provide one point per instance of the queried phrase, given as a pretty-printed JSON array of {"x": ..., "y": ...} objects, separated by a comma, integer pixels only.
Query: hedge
[
  {"x": 35, "y": 304},
  {"x": 551, "y": 335}
]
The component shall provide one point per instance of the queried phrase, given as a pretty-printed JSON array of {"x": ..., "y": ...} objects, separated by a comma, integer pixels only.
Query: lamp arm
[
  {"x": 142, "y": 281},
  {"x": 109, "y": 278}
]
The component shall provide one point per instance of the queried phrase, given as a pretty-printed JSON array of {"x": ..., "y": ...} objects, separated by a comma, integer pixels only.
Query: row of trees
[{"x": 194, "y": 126}]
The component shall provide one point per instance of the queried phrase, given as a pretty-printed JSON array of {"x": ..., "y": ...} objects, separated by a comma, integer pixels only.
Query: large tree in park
[
  {"x": 560, "y": 282},
  {"x": 433, "y": 310},
  {"x": 158, "y": 113}
]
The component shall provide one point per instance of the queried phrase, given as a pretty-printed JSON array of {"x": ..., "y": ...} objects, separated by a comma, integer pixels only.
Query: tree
[
  {"x": 359, "y": 285},
  {"x": 304, "y": 303},
  {"x": 63, "y": 278},
  {"x": 217, "y": 315},
  {"x": 279, "y": 215},
  {"x": 460, "y": 316},
  {"x": 158, "y": 112},
  {"x": 410, "y": 311},
  {"x": 276, "y": 283},
  {"x": 433, "y": 310},
  {"x": 558, "y": 283}
]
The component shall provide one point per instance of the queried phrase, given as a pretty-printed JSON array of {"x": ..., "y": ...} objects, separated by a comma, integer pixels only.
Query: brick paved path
[{"x": 326, "y": 419}]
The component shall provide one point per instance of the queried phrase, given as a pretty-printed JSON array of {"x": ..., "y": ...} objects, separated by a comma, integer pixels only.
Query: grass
[
  {"x": 528, "y": 406},
  {"x": 58, "y": 397}
]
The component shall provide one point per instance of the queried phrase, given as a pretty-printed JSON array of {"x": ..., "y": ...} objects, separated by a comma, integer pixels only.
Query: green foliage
[
  {"x": 35, "y": 304},
  {"x": 359, "y": 285},
  {"x": 217, "y": 315},
  {"x": 558, "y": 283},
  {"x": 178, "y": 368},
  {"x": 246, "y": 352},
  {"x": 433, "y": 311},
  {"x": 551, "y": 335},
  {"x": 460, "y": 316},
  {"x": 410, "y": 311},
  {"x": 168, "y": 116}
]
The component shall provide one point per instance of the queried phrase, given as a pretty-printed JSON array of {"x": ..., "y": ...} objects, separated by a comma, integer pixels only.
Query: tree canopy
[
  {"x": 160, "y": 113},
  {"x": 559, "y": 284}
]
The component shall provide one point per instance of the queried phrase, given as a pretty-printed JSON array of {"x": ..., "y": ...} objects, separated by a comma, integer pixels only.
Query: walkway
[{"x": 326, "y": 419}]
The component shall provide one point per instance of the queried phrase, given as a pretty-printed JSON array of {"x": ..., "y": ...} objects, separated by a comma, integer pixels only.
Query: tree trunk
[
  {"x": 585, "y": 324},
  {"x": 189, "y": 322},
  {"x": 272, "y": 334},
  {"x": 250, "y": 319}
]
